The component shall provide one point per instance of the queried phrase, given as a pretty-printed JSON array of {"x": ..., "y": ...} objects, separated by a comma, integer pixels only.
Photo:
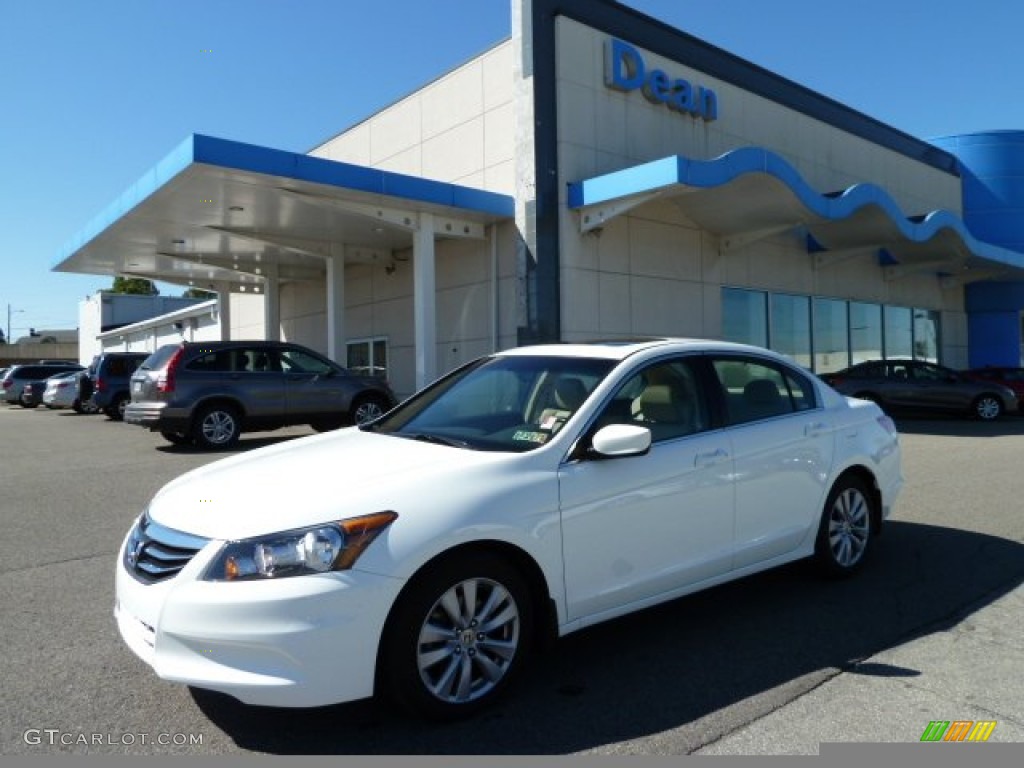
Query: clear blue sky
[{"x": 92, "y": 94}]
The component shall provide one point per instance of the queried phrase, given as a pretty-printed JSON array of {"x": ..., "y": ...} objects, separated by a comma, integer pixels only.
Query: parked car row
[
  {"x": 984, "y": 393},
  {"x": 207, "y": 393}
]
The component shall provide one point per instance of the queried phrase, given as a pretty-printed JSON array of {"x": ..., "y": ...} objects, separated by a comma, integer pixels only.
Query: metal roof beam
[
  {"x": 740, "y": 239},
  {"x": 596, "y": 216},
  {"x": 899, "y": 271}
]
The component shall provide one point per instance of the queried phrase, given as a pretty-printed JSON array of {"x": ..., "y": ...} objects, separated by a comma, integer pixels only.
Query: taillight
[
  {"x": 165, "y": 381},
  {"x": 887, "y": 424},
  {"x": 100, "y": 385},
  {"x": 6, "y": 383}
]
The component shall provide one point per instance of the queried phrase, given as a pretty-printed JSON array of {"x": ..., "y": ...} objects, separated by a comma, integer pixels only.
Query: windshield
[{"x": 498, "y": 403}]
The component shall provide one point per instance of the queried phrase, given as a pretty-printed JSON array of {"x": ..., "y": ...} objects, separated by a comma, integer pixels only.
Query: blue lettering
[
  {"x": 682, "y": 97},
  {"x": 625, "y": 70},
  {"x": 708, "y": 104},
  {"x": 658, "y": 87},
  {"x": 624, "y": 66}
]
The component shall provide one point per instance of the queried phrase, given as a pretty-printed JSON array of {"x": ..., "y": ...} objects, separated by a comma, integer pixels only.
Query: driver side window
[{"x": 666, "y": 397}]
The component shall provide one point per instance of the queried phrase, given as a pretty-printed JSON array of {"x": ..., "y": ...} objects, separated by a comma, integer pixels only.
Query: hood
[{"x": 308, "y": 482}]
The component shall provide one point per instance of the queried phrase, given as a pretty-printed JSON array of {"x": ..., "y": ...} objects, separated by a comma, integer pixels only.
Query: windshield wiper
[{"x": 426, "y": 437}]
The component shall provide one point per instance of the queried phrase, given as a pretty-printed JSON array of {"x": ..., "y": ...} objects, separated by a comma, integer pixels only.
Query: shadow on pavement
[
  {"x": 681, "y": 662},
  {"x": 958, "y": 426}
]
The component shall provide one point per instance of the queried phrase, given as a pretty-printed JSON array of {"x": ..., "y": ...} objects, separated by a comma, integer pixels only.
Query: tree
[
  {"x": 134, "y": 285},
  {"x": 198, "y": 293}
]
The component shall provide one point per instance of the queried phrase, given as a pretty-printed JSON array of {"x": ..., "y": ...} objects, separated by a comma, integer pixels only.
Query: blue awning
[
  {"x": 752, "y": 191},
  {"x": 221, "y": 211}
]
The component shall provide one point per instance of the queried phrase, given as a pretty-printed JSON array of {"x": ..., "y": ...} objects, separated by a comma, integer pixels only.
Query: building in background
[
  {"x": 597, "y": 174},
  {"x": 104, "y": 311}
]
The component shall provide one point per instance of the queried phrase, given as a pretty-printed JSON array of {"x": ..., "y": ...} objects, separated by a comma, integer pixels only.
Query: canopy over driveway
[{"x": 231, "y": 217}]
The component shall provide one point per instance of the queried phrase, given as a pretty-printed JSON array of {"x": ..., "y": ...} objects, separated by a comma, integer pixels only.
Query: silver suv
[{"x": 210, "y": 392}]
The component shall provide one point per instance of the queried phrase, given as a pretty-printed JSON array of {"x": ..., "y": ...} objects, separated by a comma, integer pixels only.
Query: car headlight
[{"x": 329, "y": 547}]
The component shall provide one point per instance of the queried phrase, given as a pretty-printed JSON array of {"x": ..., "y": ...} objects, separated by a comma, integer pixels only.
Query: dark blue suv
[{"x": 110, "y": 374}]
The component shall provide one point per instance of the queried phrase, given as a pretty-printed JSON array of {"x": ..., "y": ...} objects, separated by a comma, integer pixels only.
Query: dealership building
[{"x": 598, "y": 174}]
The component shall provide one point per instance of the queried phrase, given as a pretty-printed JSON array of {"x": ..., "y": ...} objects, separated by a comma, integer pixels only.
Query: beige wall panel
[{"x": 666, "y": 307}]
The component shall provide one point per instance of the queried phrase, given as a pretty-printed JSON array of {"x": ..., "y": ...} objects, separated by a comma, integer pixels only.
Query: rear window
[
  {"x": 158, "y": 359},
  {"x": 121, "y": 366}
]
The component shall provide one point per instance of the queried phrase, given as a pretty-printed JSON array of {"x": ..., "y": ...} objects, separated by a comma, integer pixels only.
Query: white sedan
[
  {"x": 61, "y": 390},
  {"x": 535, "y": 491}
]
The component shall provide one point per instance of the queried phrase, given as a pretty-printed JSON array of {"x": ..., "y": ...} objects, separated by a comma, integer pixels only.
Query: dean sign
[{"x": 625, "y": 70}]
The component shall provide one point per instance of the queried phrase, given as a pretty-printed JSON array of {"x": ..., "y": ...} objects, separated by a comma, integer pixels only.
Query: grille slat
[{"x": 154, "y": 553}]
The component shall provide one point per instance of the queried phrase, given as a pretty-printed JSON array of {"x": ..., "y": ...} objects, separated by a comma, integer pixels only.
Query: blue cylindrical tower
[{"x": 992, "y": 170}]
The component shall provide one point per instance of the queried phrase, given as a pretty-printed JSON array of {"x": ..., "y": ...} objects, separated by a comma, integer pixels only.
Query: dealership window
[
  {"x": 865, "y": 332},
  {"x": 790, "y": 327},
  {"x": 899, "y": 332},
  {"x": 831, "y": 335},
  {"x": 926, "y": 335},
  {"x": 828, "y": 335},
  {"x": 368, "y": 357},
  {"x": 745, "y": 316}
]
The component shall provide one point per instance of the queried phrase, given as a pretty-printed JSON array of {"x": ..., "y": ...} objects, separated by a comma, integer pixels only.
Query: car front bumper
[{"x": 295, "y": 642}]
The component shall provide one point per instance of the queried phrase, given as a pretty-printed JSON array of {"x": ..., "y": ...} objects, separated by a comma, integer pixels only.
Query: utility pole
[{"x": 9, "y": 313}]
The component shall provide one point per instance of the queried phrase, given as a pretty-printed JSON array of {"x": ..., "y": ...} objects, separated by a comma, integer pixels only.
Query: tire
[
  {"x": 29, "y": 404},
  {"x": 439, "y": 665},
  {"x": 987, "y": 407},
  {"x": 176, "y": 438},
  {"x": 216, "y": 426},
  {"x": 77, "y": 406},
  {"x": 844, "y": 534},
  {"x": 116, "y": 409},
  {"x": 366, "y": 408}
]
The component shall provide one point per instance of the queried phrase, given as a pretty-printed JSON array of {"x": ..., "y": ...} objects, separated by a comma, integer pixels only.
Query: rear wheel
[
  {"x": 845, "y": 530},
  {"x": 216, "y": 426},
  {"x": 457, "y": 637},
  {"x": 987, "y": 407},
  {"x": 116, "y": 409}
]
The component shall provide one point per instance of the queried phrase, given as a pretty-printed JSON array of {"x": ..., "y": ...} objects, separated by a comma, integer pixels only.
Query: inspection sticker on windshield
[{"x": 530, "y": 437}]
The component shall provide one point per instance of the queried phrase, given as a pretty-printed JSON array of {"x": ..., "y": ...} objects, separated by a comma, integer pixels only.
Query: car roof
[{"x": 620, "y": 349}]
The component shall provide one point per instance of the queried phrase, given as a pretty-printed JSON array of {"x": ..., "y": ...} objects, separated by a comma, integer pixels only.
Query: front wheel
[
  {"x": 987, "y": 407},
  {"x": 457, "y": 637},
  {"x": 216, "y": 426},
  {"x": 367, "y": 408},
  {"x": 845, "y": 530}
]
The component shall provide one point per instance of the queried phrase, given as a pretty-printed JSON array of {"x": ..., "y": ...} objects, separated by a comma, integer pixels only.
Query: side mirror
[{"x": 620, "y": 440}]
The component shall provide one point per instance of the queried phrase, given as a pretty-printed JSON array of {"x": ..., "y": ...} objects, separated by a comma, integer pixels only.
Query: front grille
[{"x": 155, "y": 553}]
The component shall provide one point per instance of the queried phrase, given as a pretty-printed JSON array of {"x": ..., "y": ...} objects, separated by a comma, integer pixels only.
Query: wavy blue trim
[{"x": 834, "y": 207}]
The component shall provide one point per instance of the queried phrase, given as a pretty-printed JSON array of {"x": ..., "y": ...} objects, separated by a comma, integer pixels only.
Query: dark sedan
[
  {"x": 1007, "y": 376},
  {"x": 918, "y": 385}
]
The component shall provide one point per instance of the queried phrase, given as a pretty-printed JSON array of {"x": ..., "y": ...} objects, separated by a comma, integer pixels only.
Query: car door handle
[
  {"x": 815, "y": 429},
  {"x": 710, "y": 458}
]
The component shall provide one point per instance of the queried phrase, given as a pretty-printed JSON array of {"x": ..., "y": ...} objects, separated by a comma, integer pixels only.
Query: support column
[
  {"x": 336, "y": 308},
  {"x": 224, "y": 310},
  {"x": 424, "y": 301},
  {"x": 271, "y": 303}
]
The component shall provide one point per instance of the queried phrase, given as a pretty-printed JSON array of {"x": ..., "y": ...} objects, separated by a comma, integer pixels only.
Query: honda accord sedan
[{"x": 534, "y": 492}]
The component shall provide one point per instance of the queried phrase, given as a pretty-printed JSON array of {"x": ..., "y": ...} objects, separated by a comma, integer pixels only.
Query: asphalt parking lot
[{"x": 697, "y": 675}]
